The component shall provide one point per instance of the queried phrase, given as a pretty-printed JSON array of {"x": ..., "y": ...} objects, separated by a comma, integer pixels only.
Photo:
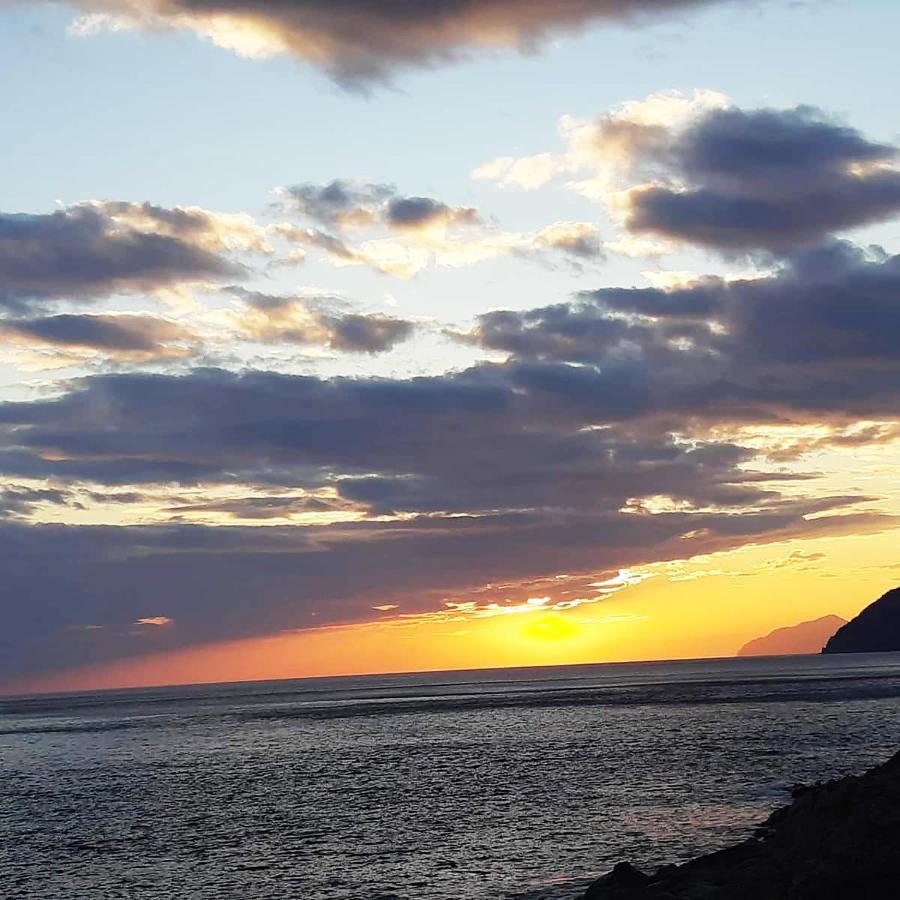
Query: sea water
[{"x": 443, "y": 786}]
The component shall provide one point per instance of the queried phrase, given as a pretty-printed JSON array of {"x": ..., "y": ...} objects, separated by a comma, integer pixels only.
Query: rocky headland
[
  {"x": 875, "y": 630},
  {"x": 839, "y": 840}
]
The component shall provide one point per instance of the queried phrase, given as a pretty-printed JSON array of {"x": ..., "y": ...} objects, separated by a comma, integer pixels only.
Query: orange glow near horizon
[{"x": 700, "y": 608}]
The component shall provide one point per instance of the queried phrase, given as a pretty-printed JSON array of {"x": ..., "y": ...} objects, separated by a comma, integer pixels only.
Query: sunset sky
[{"x": 344, "y": 336}]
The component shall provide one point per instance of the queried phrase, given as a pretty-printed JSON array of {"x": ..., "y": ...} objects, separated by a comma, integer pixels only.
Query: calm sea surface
[{"x": 449, "y": 786}]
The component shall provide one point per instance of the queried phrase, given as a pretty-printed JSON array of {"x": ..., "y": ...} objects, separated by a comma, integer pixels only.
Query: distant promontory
[
  {"x": 875, "y": 630},
  {"x": 807, "y": 637}
]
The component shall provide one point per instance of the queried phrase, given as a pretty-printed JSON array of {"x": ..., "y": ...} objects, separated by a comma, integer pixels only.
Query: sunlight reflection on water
[{"x": 464, "y": 785}]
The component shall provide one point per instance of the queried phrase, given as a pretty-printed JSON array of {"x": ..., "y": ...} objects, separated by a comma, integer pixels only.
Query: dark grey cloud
[
  {"x": 230, "y": 422},
  {"x": 124, "y": 497},
  {"x": 355, "y": 333},
  {"x": 420, "y": 212},
  {"x": 94, "y": 250},
  {"x": 771, "y": 149},
  {"x": 584, "y": 382},
  {"x": 512, "y": 437},
  {"x": 18, "y": 500},
  {"x": 361, "y": 40},
  {"x": 570, "y": 332},
  {"x": 340, "y": 203},
  {"x": 119, "y": 335},
  {"x": 765, "y": 179},
  {"x": 265, "y": 507},
  {"x": 344, "y": 204},
  {"x": 820, "y": 337}
]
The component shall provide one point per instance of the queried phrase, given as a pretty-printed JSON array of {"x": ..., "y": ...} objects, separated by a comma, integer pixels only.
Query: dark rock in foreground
[
  {"x": 875, "y": 630},
  {"x": 836, "y": 841}
]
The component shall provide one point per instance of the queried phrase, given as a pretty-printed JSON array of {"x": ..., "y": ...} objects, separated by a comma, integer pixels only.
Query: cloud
[
  {"x": 317, "y": 321},
  {"x": 586, "y": 381},
  {"x": 357, "y": 41},
  {"x": 340, "y": 203},
  {"x": 767, "y": 179},
  {"x": 137, "y": 338},
  {"x": 691, "y": 168},
  {"x": 155, "y": 621},
  {"x": 797, "y": 559},
  {"x": 527, "y": 173},
  {"x": 18, "y": 501},
  {"x": 96, "y": 249},
  {"x": 408, "y": 234},
  {"x": 355, "y": 333},
  {"x": 324, "y": 505},
  {"x": 817, "y": 338},
  {"x": 345, "y": 205},
  {"x": 409, "y": 213},
  {"x": 613, "y": 147},
  {"x": 578, "y": 239}
]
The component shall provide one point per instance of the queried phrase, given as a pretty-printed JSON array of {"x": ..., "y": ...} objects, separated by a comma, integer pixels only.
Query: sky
[{"x": 346, "y": 337}]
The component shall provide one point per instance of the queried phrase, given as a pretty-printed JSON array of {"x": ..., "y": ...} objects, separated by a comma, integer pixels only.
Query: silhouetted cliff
[
  {"x": 807, "y": 637},
  {"x": 875, "y": 630}
]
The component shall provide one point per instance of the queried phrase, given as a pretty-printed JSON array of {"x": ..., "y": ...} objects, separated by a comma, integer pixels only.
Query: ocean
[{"x": 493, "y": 784}]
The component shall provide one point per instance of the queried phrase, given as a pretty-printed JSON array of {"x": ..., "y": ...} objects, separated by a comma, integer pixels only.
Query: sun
[{"x": 550, "y": 627}]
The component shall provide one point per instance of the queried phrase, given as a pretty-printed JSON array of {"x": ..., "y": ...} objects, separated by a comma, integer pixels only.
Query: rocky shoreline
[{"x": 836, "y": 840}]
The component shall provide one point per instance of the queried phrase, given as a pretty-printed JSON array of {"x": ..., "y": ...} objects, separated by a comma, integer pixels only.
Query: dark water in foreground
[{"x": 451, "y": 786}]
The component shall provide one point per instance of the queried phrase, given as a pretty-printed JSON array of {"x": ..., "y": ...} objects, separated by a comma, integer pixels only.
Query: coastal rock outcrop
[
  {"x": 875, "y": 630},
  {"x": 806, "y": 637},
  {"x": 836, "y": 841}
]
